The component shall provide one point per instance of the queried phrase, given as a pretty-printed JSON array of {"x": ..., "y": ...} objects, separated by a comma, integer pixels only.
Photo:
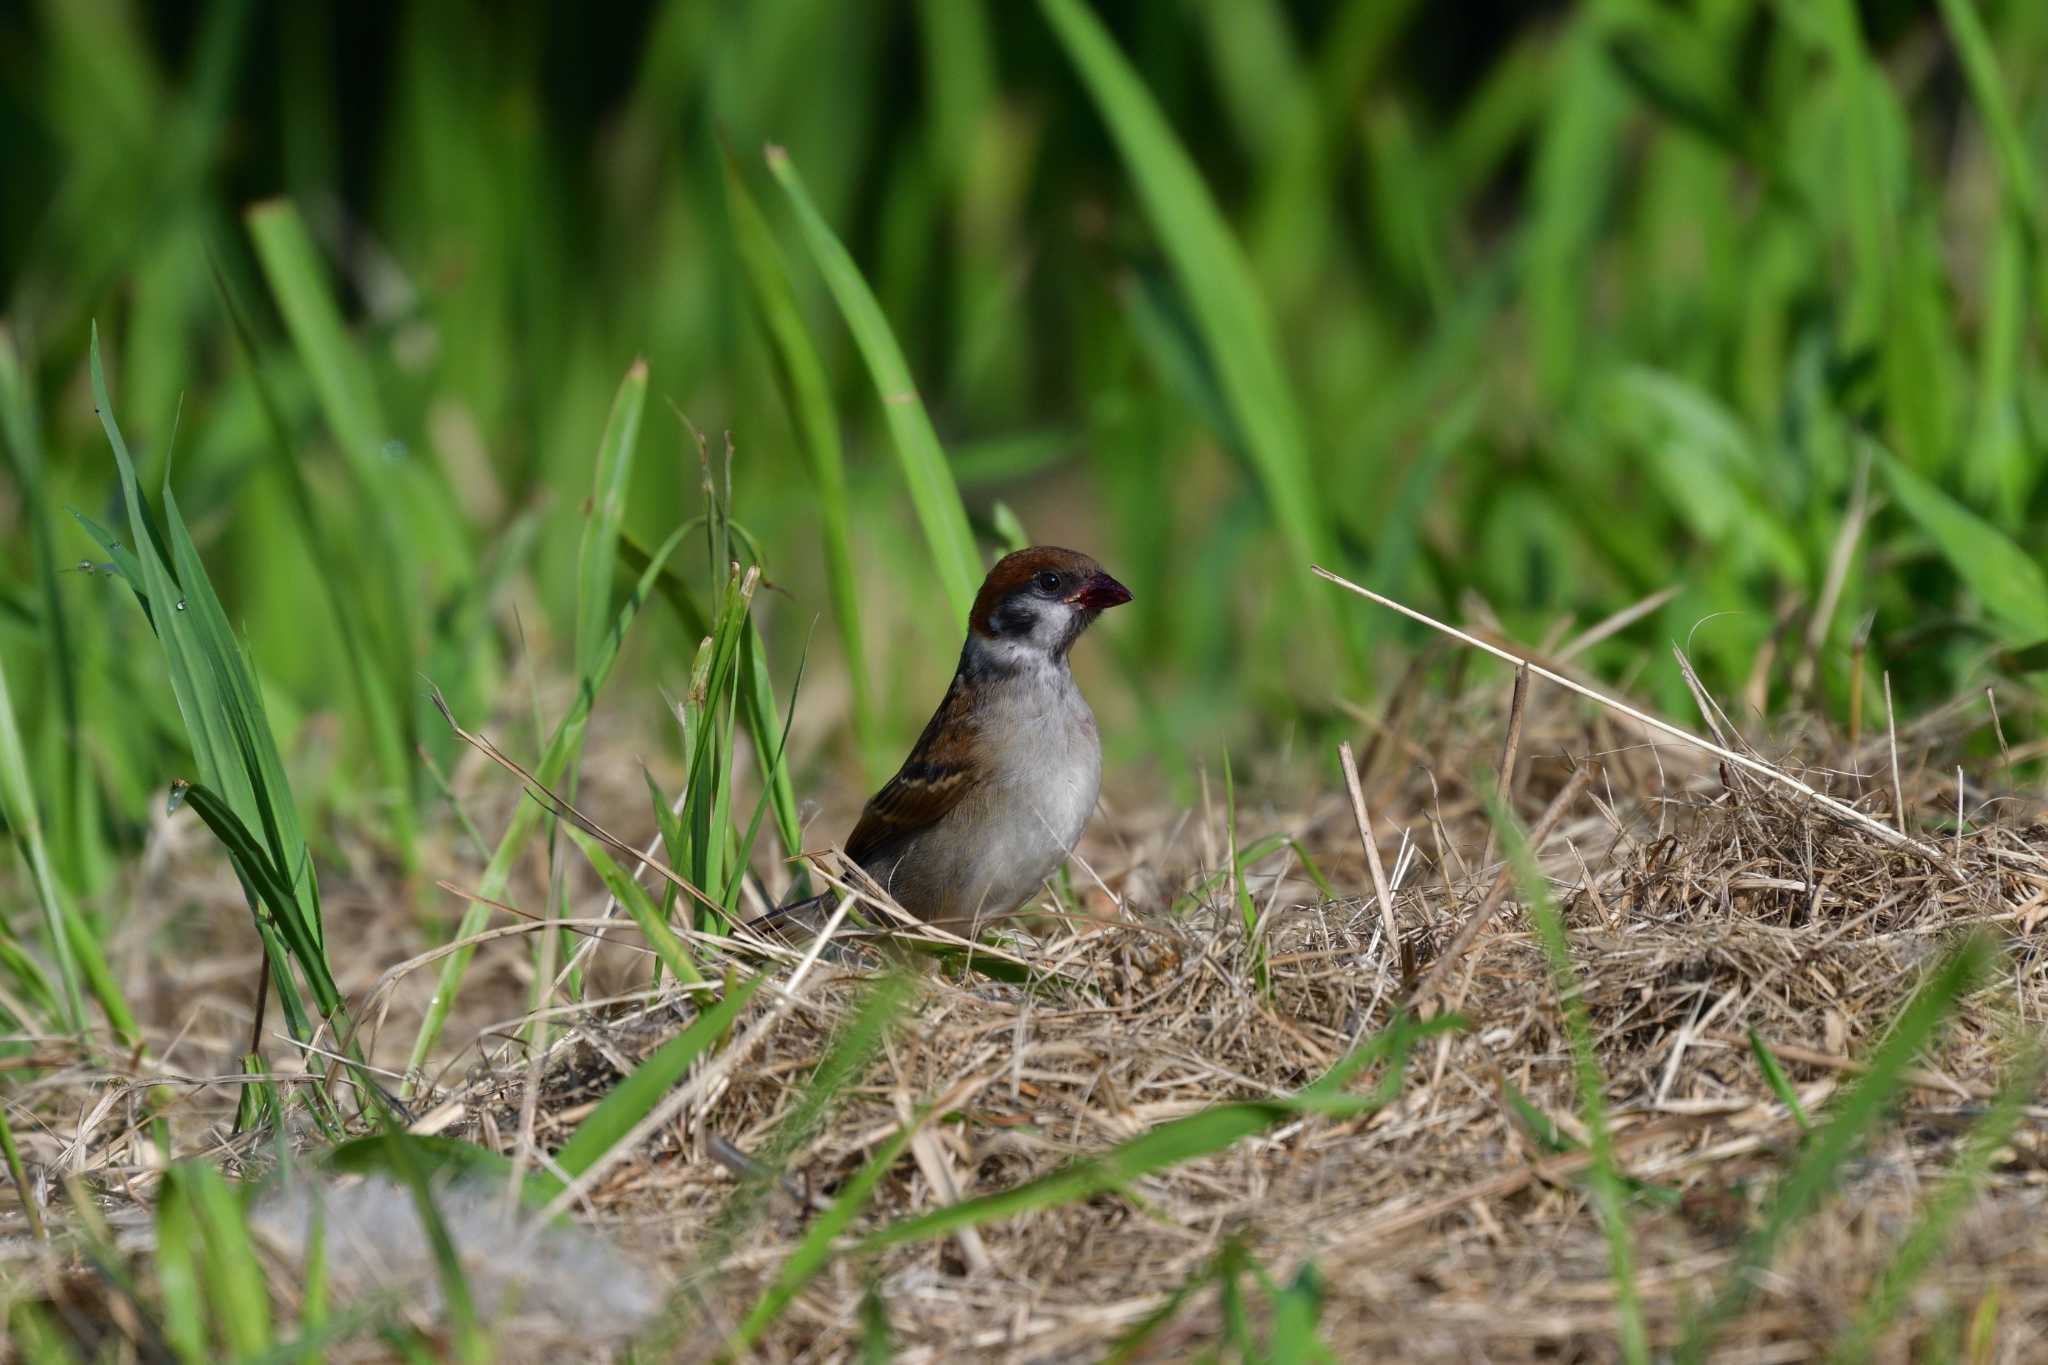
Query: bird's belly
[{"x": 1026, "y": 829}]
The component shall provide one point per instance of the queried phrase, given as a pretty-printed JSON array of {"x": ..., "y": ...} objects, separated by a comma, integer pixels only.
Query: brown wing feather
[{"x": 937, "y": 776}]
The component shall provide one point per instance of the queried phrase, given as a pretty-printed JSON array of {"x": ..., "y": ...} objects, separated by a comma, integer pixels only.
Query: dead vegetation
[{"x": 1704, "y": 902}]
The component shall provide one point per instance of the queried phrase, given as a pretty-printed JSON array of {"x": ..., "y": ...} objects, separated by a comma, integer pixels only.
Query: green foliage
[
  {"x": 1138, "y": 268},
  {"x": 1635, "y": 297},
  {"x": 212, "y": 1272},
  {"x": 807, "y": 399},
  {"x": 1181, "y": 1140},
  {"x": 1236, "y": 332},
  {"x": 1774, "y": 1076},
  {"x": 630, "y": 1100},
  {"x": 1930, "y": 1232},
  {"x": 925, "y": 471},
  {"x": 1846, "y": 1126},
  {"x": 1610, "y": 1184},
  {"x": 566, "y": 743}
]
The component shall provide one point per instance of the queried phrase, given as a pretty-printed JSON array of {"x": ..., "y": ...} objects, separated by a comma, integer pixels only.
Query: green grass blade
[
  {"x": 1534, "y": 1121},
  {"x": 1297, "y": 1312},
  {"x": 771, "y": 745},
  {"x": 471, "y": 1344},
  {"x": 1931, "y": 1231},
  {"x": 1210, "y": 266},
  {"x": 599, "y": 551},
  {"x": 1248, "y": 914},
  {"x": 1172, "y": 1143},
  {"x": 237, "y": 1294},
  {"x": 347, "y": 395},
  {"x": 253, "y": 752},
  {"x": 2010, "y": 582},
  {"x": 341, "y": 378},
  {"x": 1774, "y": 1076},
  {"x": 632, "y": 1098},
  {"x": 384, "y": 715},
  {"x": 757, "y": 699},
  {"x": 75, "y": 809},
  {"x": 277, "y": 908},
  {"x": 1231, "y": 1265},
  {"x": 25, "y": 825},
  {"x": 1608, "y": 1182},
  {"x": 32, "y": 1212},
  {"x": 925, "y": 471},
  {"x": 807, "y": 400},
  {"x": 315, "y": 1320},
  {"x": 1575, "y": 160},
  {"x": 671, "y": 950},
  {"x": 180, "y": 1286},
  {"x": 1850, "y": 1122},
  {"x": 2016, "y": 162},
  {"x": 875, "y": 1337},
  {"x": 211, "y": 678},
  {"x": 563, "y": 747}
]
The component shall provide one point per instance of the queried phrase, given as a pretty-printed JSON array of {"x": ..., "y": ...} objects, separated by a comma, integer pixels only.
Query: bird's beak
[{"x": 1101, "y": 593}]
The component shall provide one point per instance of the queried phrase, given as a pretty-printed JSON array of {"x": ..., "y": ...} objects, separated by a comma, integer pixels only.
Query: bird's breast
[{"x": 1047, "y": 771}]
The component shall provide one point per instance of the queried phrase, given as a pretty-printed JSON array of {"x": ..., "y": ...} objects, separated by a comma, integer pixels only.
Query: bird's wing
[{"x": 940, "y": 772}]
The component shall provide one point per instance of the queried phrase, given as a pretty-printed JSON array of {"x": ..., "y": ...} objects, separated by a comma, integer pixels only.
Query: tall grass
[
  {"x": 1630, "y": 296},
  {"x": 1112, "y": 272}
]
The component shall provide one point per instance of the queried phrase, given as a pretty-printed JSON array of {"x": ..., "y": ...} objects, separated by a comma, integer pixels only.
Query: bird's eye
[{"x": 1048, "y": 582}]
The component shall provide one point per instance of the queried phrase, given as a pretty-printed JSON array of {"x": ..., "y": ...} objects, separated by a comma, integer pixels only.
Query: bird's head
[{"x": 1037, "y": 602}]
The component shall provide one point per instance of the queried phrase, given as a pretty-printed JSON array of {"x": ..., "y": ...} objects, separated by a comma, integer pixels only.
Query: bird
[{"x": 999, "y": 786}]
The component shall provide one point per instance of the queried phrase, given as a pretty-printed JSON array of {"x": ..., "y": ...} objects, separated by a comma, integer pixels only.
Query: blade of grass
[
  {"x": 925, "y": 471},
  {"x": 1177, "y": 1141},
  {"x": 180, "y": 1287},
  {"x": 2011, "y": 583},
  {"x": 215, "y": 688},
  {"x": 2016, "y": 162},
  {"x": 275, "y": 907},
  {"x": 1236, "y": 328},
  {"x": 31, "y": 1210},
  {"x": 236, "y": 1292},
  {"x": 471, "y": 1343},
  {"x": 875, "y": 1347},
  {"x": 1930, "y": 1232},
  {"x": 1297, "y": 1312},
  {"x": 630, "y": 1100},
  {"x": 384, "y": 715},
  {"x": 1774, "y": 1076},
  {"x": 757, "y": 697},
  {"x": 25, "y": 825},
  {"x": 1608, "y": 1182},
  {"x": 1247, "y": 913},
  {"x": 807, "y": 401},
  {"x": 630, "y": 894},
  {"x": 76, "y": 803},
  {"x": 1849, "y": 1124},
  {"x": 599, "y": 549},
  {"x": 395, "y": 520},
  {"x": 563, "y": 747}
]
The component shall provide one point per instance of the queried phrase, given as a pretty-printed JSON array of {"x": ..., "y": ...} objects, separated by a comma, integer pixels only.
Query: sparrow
[{"x": 1001, "y": 783}]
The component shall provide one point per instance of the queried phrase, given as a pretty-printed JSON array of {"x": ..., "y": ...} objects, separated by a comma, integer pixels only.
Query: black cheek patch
[{"x": 1015, "y": 616}]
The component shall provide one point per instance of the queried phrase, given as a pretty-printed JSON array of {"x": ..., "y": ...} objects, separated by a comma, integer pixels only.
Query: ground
[{"x": 1704, "y": 902}]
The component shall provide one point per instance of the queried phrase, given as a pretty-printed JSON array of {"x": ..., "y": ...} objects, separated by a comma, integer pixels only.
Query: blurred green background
[{"x": 1513, "y": 312}]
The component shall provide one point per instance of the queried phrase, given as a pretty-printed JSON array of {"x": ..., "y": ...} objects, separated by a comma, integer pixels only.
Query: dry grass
[{"x": 1703, "y": 902}]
